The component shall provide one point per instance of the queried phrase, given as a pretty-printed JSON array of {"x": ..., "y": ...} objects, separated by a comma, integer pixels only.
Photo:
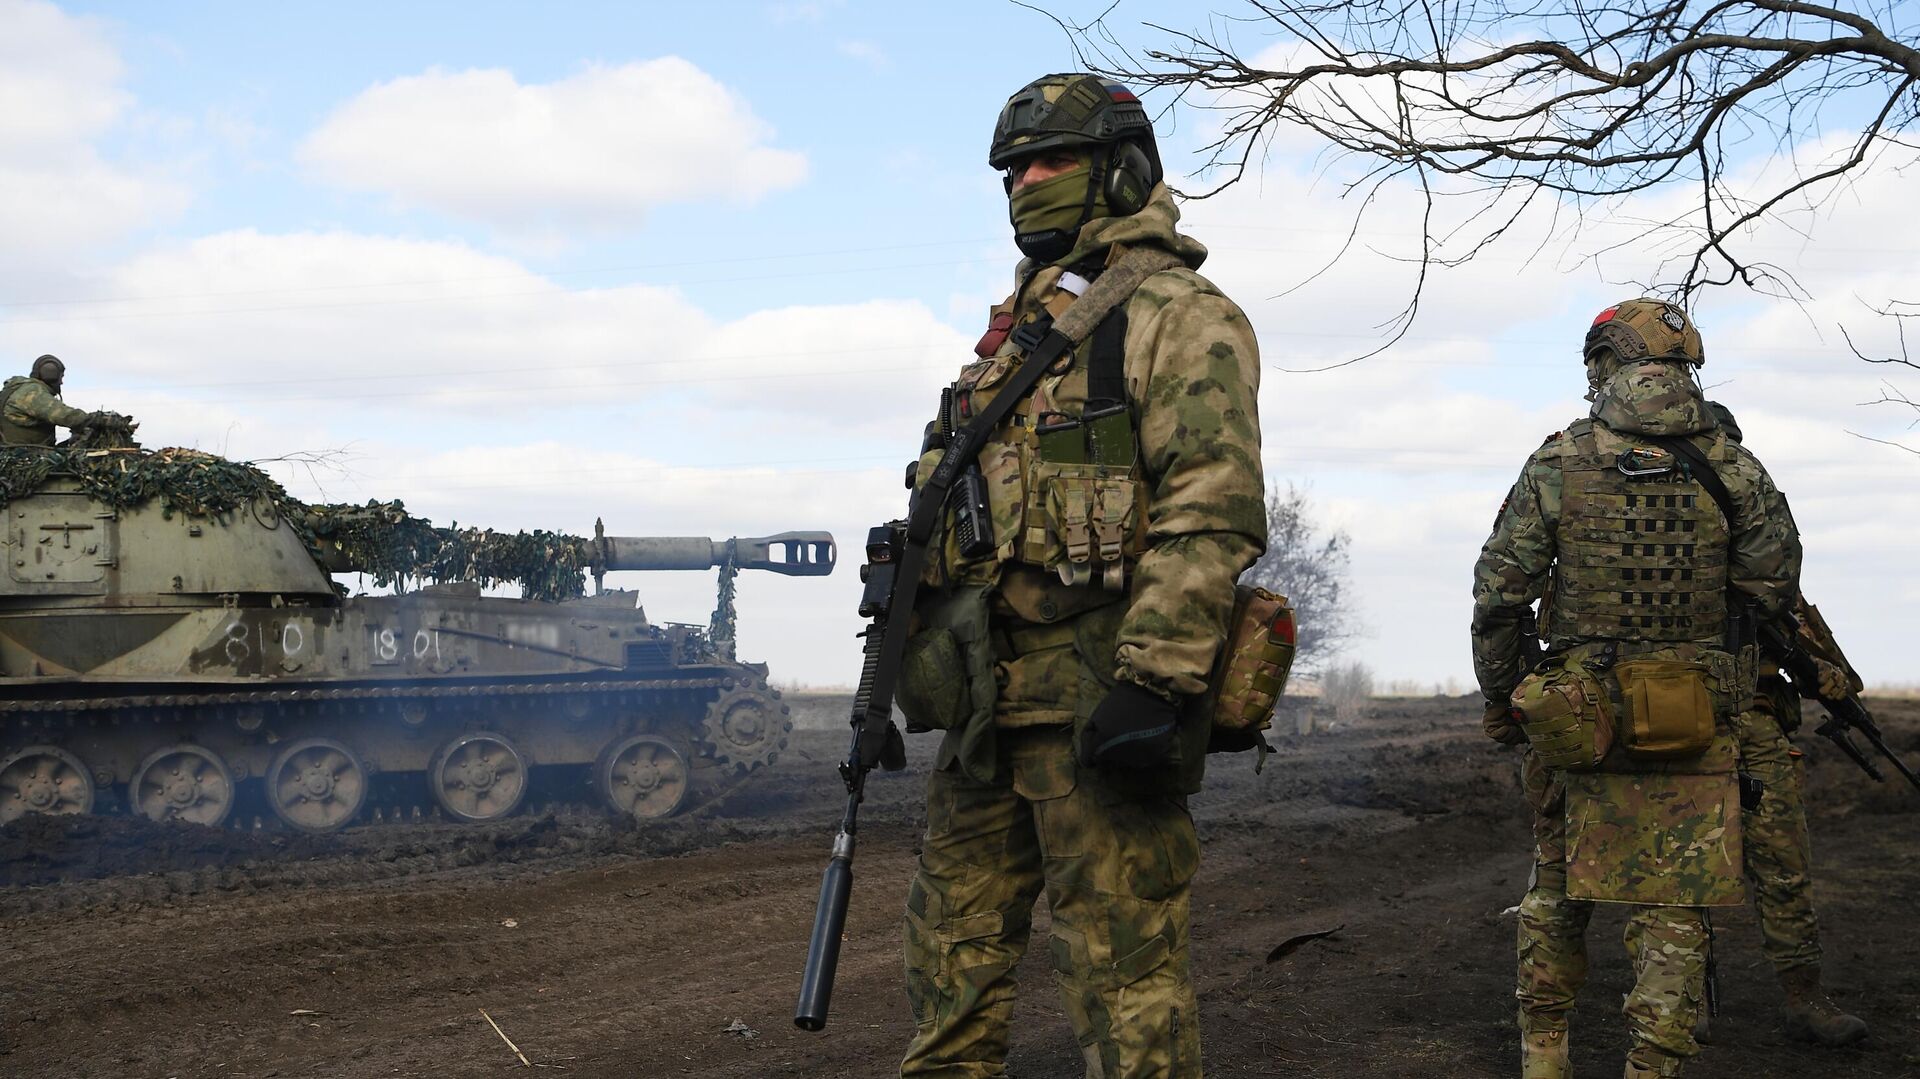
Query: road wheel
[
  {"x": 184, "y": 782},
  {"x": 643, "y": 776},
  {"x": 317, "y": 785},
  {"x": 43, "y": 779},
  {"x": 478, "y": 777}
]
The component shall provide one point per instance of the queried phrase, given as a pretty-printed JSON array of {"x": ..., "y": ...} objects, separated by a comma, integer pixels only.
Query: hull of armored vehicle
[{"x": 182, "y": 667}]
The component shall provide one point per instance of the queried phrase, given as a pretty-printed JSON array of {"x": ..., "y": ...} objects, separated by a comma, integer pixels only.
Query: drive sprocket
[{"x": 745, "y": 728}]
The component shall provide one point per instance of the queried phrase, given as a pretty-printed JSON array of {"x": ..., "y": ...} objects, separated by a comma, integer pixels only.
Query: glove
[
  {"x": 1500, "y": 724},
  {"x": 1131, "y": 727},
  {"x": 1834, "y": 685}
]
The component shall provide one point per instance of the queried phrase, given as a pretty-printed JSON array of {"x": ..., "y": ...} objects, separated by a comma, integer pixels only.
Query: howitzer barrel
[{"x": 795, "y": 554}]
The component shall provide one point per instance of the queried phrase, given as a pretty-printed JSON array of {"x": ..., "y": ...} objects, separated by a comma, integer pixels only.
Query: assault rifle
[
  {"x": 876, "y": 742},
  {"x": 1781, "y": 641},
  {"x": 896, "y": 555}
]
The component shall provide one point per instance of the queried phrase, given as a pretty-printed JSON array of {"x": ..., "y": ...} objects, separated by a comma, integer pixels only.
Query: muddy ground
[{"x": 136, "y": 950}]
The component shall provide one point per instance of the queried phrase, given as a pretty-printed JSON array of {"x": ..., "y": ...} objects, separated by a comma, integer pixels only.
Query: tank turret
[{"x": 172, "y": 643}]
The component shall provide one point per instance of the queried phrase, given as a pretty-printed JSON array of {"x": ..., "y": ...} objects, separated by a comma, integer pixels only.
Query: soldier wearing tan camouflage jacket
[
  {"x": 1618, "y": 523},
  {"x": 30, "y": 405},
  {"x": 1072, "y": 613}
]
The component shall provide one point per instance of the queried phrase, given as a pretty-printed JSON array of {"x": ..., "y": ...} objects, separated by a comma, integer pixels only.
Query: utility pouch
[
  {"x": 1566, "y": 714},
  {"x": 1060, "y": 438},
  {"x": 1669, "y": 713},
  {"x": 946, "y": 674},
  {"x": 1251, "y": 671}
]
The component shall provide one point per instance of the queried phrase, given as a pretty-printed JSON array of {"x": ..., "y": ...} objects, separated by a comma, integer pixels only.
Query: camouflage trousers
[
  {"x": 1116, "y": 871},
  {"x": 1667, "y": 947},
  {"x": 1779, "y": 854}
]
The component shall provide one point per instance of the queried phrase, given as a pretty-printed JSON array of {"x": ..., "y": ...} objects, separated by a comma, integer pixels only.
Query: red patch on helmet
[
  {"x": 1605, "y": 316},
  {"x": 1120, "y": 93}
]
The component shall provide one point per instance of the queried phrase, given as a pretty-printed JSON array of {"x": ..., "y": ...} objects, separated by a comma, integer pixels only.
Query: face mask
[{"x": 1047, "y": 216}]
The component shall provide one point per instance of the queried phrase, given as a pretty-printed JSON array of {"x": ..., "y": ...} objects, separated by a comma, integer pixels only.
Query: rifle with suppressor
[
  {"x": 1845, "y": 715},
  {"x": 896, "y": 556}
]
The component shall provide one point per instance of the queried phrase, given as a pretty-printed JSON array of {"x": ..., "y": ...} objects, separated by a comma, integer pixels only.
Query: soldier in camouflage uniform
[
  {"x": 1061, "y": 650},
  {"x": 30, "y": 406},
  {"x": 1608, "y": 501},
  {"x": 1779, "y": 862}
]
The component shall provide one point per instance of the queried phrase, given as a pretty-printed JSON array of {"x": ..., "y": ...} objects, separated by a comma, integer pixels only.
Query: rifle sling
[
  {"x": 1111, "y": 290},
  {"x": 1703, "y": 473}
]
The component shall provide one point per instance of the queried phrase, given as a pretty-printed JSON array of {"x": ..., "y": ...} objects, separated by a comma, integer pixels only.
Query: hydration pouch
[
  {"x": 1566, "y": 714},
  {"x": 1251, "y": 672},
  {"x": 1669, "y": 712}
]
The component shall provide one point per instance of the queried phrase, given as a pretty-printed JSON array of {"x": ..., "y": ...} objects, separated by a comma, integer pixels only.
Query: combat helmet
[
  {"x": 49, "y": 370},
  {"x": 1646, "y": 329},
  {"x": 1080, "y": 112}
]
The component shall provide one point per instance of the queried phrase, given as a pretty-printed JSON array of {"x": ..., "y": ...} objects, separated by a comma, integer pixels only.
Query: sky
[{"x": 702, "y": 270}]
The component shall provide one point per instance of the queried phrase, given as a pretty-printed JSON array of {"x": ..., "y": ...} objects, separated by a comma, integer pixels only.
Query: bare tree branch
[{"x": 1603, "y": 102}]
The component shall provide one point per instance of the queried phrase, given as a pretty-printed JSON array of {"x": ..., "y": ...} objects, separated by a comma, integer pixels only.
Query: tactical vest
[
  {"x": 1643, "y": 548},
  {"x": 1062, "y": 490},
  {"x": 15, "y": 433}
]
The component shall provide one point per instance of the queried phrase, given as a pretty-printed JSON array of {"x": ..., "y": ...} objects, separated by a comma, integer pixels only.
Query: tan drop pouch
[
  {"x": 1251, "y": 672},
  {"x": 1566, "y": 714},
  {"x": 1669, "y": 713}
]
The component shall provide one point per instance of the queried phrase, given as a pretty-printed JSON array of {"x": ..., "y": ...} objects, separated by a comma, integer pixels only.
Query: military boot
[
  {"x": 1543, "y": 1055},
  {"x": 1646, "y": 1062},
  {"x": 1811, "y": 1017}
]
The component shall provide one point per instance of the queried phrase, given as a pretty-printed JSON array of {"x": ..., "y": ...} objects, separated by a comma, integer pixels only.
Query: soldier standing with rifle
[
  {"x": 1085, "y": 499},
  {"x": 1779, "y": 853},
  {"x": 1648, "y": 521}
]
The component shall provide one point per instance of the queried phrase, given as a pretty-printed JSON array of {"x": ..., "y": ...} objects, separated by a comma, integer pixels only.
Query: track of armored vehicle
[{"x": 191, "y": 659}]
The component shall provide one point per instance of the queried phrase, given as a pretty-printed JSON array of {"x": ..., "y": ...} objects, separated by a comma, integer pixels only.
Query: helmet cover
[{"x": 1646, "y": 329}]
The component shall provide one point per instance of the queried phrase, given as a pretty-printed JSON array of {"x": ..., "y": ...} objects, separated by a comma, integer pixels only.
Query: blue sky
[{"x": 702, "y": 269}]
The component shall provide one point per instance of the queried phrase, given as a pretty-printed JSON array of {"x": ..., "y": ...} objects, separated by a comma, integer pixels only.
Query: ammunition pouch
[
  {"x": 1091, "y": 522},
  {"x": 1669, "y": 712},
  {"x": 946, "y": 674},
  {"x": 1566, "y": 713},
  {"x": 1251, "y": 671}
]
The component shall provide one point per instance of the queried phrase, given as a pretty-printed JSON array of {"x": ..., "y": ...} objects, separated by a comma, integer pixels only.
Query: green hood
[
  {"x": 1653, "y": 397},
  {"x": 1153, "y": 225}
]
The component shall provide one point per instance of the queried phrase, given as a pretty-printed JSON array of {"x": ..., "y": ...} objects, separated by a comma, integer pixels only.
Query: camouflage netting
[{"x": 380, "y": 539}]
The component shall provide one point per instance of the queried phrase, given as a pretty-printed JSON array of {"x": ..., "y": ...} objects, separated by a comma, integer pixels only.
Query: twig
[{"x": 503, "y": 1037}]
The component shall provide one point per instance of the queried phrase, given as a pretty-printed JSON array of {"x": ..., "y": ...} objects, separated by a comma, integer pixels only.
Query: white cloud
[
  {"x": 60, "y": 95},
  {"x": 601, "y": 148}
]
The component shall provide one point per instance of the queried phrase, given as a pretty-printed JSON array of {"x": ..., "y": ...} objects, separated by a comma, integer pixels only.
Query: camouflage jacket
[
  {"x": 32, "y": 410},
  {"x": 1650, "y": 397},
  {"x": 1192, "y": 371}
]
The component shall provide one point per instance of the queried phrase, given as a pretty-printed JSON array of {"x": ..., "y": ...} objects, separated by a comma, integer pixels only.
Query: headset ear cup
[{"x": 1129, "y": 180}]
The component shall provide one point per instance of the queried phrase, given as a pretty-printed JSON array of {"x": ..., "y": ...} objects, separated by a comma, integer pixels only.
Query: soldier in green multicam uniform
[
  {"x": 30, "y": 406},
  {"x": 1641, "y": 562},
  {"x": 1061, "y": 650},
  {"x": 1779, "y": 862}
]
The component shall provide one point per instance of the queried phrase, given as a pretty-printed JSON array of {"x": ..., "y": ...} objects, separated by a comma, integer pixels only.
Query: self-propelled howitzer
[{"x": 174, "y": 652}]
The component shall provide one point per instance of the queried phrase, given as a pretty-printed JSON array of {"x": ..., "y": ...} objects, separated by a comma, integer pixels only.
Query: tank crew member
[
  {"x": 30, "y": 406},
  {"x": 1075, "y": 609},
  {"x": 1636, "y": 521}
]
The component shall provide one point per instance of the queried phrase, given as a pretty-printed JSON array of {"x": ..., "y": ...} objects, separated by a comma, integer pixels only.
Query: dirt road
[{"x": 605, "y": 950}]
